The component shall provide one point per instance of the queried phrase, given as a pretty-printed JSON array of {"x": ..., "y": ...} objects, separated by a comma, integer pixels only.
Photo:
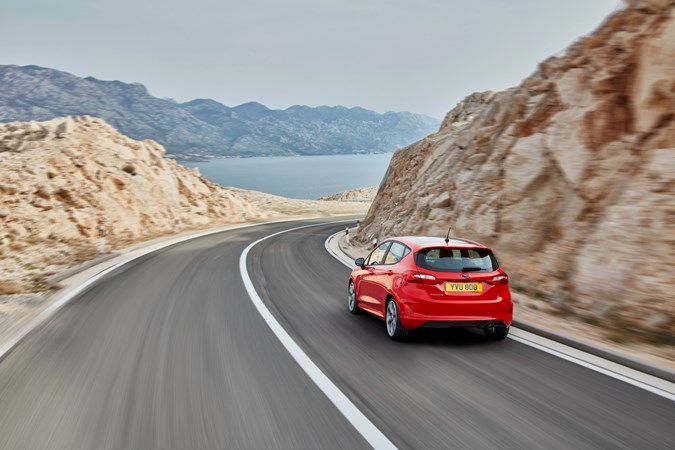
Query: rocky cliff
[
  {"x": 569, "y": 176},
  {"x": 205, "y": 127},
  {"x": 65, "y": 179}
]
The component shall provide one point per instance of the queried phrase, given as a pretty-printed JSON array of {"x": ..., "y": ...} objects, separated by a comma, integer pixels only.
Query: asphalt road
[{"x": 170, "y": 352}]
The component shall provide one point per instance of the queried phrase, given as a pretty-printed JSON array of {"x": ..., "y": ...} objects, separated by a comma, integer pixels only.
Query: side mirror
[{"x": 361, "y": 262}]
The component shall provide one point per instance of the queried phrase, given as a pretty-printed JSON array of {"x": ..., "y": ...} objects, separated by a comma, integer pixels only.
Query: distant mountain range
[{"x": 205, "y": 128}]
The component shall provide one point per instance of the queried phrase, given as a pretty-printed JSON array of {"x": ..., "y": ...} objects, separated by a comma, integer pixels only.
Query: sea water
[{"x": 305, "y": 177}]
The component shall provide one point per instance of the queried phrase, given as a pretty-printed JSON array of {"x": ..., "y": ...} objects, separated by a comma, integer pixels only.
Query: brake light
[
  {"x": 499, "y": 279},
  {"x": 416, "y": 277}
]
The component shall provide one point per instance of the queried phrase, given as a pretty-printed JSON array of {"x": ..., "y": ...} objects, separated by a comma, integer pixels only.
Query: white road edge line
[
  {"x": 362, "y": 424},
  {"x": 568, "y": 353},
  {"x": 602, "y": 370}
]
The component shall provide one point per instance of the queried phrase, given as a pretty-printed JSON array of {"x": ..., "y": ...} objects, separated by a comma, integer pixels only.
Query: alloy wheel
[{"x": 392, "y": 317}]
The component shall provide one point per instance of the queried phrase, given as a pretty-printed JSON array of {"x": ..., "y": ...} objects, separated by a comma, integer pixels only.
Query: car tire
[
  {"x": 499, "y": 334},
  {"x": 392, "y": 319},
  {"x": 353, "y": 302}
]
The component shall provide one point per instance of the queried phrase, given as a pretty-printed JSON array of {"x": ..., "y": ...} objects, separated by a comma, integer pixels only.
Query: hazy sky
[{"x": 386, "y": 55}]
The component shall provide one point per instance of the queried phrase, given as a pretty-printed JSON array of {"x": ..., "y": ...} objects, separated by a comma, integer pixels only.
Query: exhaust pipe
[{"x": 490, "y": 328}]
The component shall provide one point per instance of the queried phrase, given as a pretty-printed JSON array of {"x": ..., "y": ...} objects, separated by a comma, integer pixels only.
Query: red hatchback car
[{"x": 427, "y": 282}]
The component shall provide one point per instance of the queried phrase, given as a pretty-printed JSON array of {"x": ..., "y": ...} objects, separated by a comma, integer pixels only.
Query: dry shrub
[
  {"x": 17, "y": 246},
  {"x": 66, "y": 197},
  {"x": 81, "y": 252},
  {"x": 9, "y": 287},
  {"x": 55, "y": 260},
  {"x": 42, "y": 193},
  {"x": 33, "y": 239}
]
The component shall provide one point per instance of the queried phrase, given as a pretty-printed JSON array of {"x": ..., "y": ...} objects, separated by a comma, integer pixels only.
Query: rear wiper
[{"x": 471, "y": 269}]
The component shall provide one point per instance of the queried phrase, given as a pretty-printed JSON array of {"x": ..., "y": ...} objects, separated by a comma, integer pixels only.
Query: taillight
[
  {"x": 499, "y": 279},
  {"x": 416, "y": 277}
]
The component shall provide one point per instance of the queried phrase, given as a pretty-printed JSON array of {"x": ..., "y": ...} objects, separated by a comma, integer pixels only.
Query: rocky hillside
[
  {"x": 203, "y": 128},
  {"x": 569, "y": 176},
  {"x": 366, "y": 194},
  {"x": 65, "y": 179}
]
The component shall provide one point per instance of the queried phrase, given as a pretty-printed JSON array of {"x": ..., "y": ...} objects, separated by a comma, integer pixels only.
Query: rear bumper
[{"x": 418, "y": 309}]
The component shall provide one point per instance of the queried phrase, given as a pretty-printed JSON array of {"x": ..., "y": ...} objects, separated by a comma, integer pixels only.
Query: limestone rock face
[
  {"x": 68, "y": 177},
  {"x": 570, "y": 176}
]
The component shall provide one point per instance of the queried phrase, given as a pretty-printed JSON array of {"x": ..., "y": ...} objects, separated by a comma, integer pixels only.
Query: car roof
[{"x": 420, "y": 242}]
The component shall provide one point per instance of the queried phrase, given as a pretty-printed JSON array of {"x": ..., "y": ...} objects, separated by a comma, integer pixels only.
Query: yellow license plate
[{"x": 463, "y": 287}]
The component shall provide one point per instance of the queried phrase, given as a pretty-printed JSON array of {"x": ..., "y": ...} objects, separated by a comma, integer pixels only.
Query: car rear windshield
[{"x": 447, "y": 259}]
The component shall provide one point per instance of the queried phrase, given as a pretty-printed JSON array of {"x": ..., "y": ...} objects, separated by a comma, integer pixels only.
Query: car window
[
  {"x": 377, "y": 255},
  {"x": 397, "y": 252},
  {"x": 457, "y": 260}
]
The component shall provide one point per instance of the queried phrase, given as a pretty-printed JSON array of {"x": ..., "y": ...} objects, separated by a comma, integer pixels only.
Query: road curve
[
  {"x": 170, "y": 352},
  {"x": 167, "y": 353},
  {"x": 447, "y": 389}
]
